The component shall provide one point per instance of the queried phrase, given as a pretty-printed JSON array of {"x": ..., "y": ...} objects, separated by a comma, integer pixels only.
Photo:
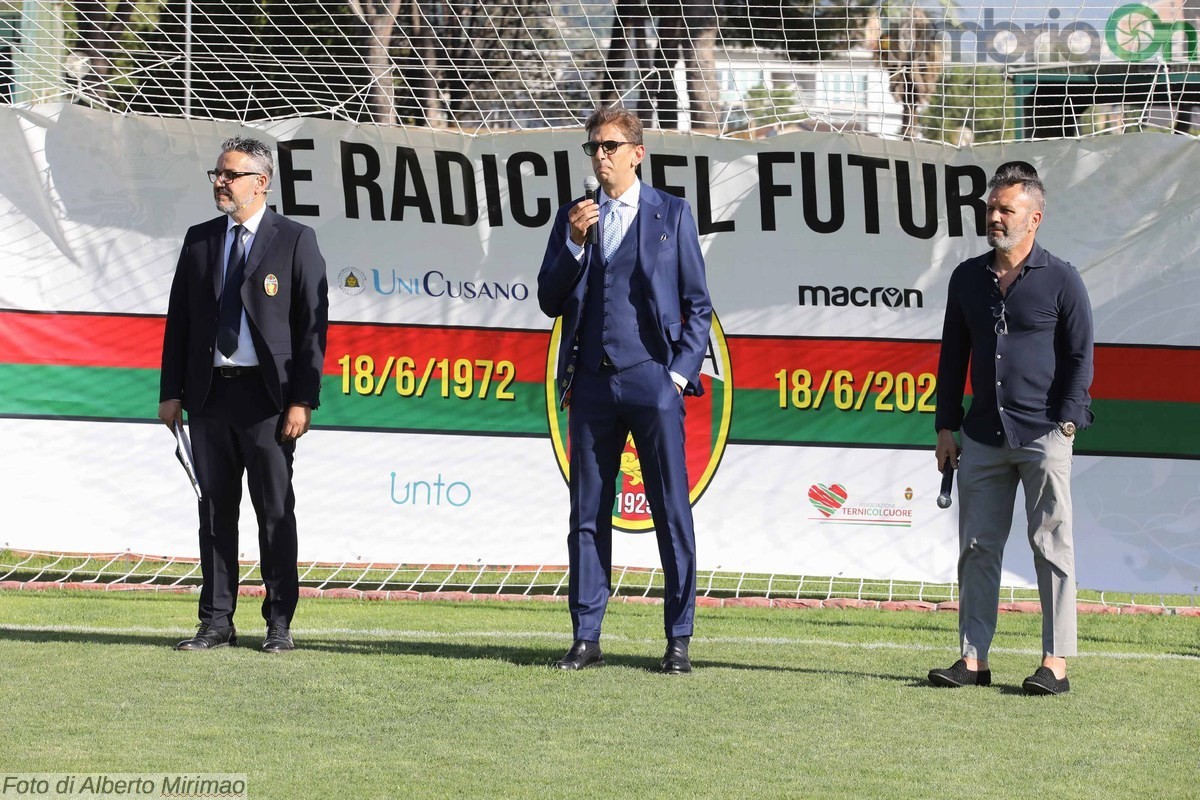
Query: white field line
[{"x": 383, "y": 633}]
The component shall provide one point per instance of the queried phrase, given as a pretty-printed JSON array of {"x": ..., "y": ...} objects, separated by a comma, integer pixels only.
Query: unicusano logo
[
  {"x": 1132, "y": 33},
  {"x": 860, "y": 296}
]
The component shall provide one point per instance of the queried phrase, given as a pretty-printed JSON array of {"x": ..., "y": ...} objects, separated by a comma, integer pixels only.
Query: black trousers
[{"x": 236, "y": 433}]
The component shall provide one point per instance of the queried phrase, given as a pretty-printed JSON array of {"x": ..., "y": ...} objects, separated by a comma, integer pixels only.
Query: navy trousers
[
  {"x": 238, "y": 432},
  {"x": 606, "y": 406}
]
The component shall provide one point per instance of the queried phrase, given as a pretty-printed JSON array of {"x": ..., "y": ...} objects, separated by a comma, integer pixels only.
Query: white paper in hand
[{"x": 183, "y": 451}]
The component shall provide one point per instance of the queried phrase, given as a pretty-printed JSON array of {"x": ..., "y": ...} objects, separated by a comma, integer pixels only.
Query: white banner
[{"x": 827, "y": 256}]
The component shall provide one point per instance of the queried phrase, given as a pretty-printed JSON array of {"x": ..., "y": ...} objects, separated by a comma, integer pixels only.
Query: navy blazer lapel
[
  {"x": 216, "y": 254},
  {"x": 262, "y": 242},
  {"x": 650, "y": 224}
]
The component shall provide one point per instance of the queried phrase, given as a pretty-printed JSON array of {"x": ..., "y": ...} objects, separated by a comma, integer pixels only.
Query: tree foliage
[
  {"x": 806, "y": 30},
  {"x": 971, "y": 104}
]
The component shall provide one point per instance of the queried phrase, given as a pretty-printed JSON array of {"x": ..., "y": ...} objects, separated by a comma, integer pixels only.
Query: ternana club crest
[{"x": 706, "y": 428}]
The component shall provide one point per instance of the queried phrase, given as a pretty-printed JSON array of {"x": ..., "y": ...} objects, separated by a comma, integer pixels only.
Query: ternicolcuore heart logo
[
  {"x": 827, "y": 499},
  {"x": 706, "y": 428}
]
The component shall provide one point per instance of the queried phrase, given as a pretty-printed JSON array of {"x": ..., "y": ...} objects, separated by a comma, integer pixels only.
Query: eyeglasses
[
  {"x": 610, "y": 147},
  {"x": 1001, "y": 320},
  {"x": 227, "y": 175}
]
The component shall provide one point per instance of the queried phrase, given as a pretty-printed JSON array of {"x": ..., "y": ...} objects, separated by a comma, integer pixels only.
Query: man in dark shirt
[{"x": 1021, "y": 319}]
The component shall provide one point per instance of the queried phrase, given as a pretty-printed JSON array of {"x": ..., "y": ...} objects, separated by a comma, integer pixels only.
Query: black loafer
[
  {"x": 675, "y": 661},
  {"x": 1042, "y": 681},
  {"x": 958, "y": 675},
  {"x": 209, "y": 638},
  {"x": 581, "y": 656},
  {"x": 279, "y": 640}
]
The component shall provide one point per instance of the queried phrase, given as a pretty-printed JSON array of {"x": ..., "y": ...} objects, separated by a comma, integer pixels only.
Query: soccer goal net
[
  {"x": 129, "y": 571},
  {"x": 958, "y": 71}
]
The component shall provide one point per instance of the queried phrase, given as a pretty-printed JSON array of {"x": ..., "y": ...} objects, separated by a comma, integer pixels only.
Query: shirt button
[
  {"x": 998, "y": 383},
  {"x": 999, "y": 356},
  {"x": 1001, "y": 407}
]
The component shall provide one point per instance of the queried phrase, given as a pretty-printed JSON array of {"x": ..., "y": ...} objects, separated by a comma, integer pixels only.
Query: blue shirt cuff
[{"x": 574, "y": 249}]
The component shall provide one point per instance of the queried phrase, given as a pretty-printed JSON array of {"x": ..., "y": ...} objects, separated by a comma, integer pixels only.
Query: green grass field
[{"x": 417, "y": 699}]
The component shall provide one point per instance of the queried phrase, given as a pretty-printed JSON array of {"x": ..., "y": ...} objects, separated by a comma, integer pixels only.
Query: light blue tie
[{"x": 611, "y": 239}]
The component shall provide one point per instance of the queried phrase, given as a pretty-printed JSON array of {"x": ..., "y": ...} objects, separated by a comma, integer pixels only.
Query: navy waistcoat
[{"x": 615, "y": 302}]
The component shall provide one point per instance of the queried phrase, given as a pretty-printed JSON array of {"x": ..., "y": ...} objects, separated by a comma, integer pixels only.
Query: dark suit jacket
[
  {"x": 288, "y": 328},
  {"x": 670, "y": 259}
]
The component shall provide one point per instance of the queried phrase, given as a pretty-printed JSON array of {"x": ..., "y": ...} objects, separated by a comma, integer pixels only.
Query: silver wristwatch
[{"x": 1067, "y": 429}]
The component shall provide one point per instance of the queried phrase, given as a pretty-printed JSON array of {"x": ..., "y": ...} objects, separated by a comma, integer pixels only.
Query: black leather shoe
[
  {"x": 675, "y": 661},
  {"x": 958, "y": 675},
  {"x": 279, "y": 640},
  {"x": 208, "y": 638},
  {"x": 581, "y": 656},
  {"x": 1042, "y": 681}
]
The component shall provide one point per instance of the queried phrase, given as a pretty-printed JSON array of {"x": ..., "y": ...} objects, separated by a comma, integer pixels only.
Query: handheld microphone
[
  {"x": 944, "y": 499},
  {"x": 590, "y": 185}
]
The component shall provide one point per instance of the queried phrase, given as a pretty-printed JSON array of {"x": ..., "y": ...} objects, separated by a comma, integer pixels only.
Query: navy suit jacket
[
  {"x": 288, "y": 327},
  {"x": 669, "y": 257}
]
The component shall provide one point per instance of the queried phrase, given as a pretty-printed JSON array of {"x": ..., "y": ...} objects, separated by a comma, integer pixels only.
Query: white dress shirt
[{"x": 245, "y": 355}]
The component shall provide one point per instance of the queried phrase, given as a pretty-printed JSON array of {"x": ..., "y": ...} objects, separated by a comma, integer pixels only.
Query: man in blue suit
[{"x": 635, "y": 329}]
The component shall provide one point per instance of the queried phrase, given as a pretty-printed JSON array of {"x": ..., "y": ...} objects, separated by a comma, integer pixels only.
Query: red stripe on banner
[
  {"x": 1167, "y": 374},
  {"x": 129, "y": 342},
  {"x": 757, "y": 361},
  {"x": 525, "y": 349},
  {"x": 80, "y": 340},
  {"x": 698, "y": 431},
  {"x": 1122, "y": 372}
]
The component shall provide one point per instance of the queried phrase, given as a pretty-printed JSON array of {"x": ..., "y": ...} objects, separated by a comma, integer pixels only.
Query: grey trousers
[{"x": 987, "y": 489}]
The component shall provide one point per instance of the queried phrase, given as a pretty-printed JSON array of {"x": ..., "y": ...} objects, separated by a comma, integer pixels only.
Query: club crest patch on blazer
[{"x": 271, "y": 285}]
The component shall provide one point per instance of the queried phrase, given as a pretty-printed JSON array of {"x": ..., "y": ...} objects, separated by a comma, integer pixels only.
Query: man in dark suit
[
  {"x": 635, "y": 325},
  {"x": 243, "y": 353}
]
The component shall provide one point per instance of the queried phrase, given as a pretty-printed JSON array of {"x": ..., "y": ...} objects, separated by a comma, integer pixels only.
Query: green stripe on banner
[
  {"x": 1136, "y": 428},
  {"x": 1122, "y": 427},
  {"x": 132, "y": 394},
  {"x": 523, "y": 414},
  {"x": 758, "y": 419},
  {"x": 31, "y": 390},
  {"x": 718, "y": 388}
]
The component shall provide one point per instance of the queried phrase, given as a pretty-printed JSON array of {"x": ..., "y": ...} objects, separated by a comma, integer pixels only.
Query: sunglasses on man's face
[{"x": 610, "y": 147}]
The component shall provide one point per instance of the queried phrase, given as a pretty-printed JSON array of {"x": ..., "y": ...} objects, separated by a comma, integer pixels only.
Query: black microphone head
[{"x": 944, "y": 501}]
